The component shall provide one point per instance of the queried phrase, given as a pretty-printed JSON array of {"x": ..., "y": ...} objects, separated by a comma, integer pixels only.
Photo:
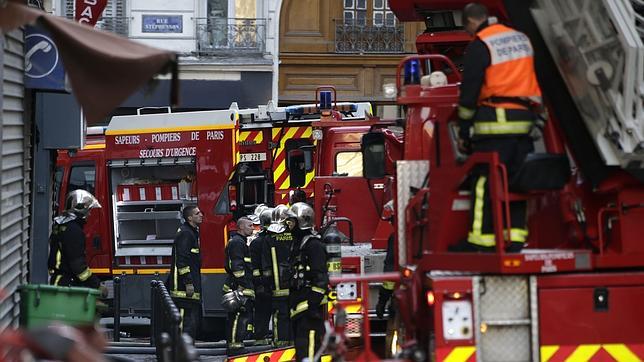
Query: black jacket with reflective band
[
  {"x": 237, "y": 264},
  {"x": 67, "y": 255},
  {"x": 186, "y": 262}
]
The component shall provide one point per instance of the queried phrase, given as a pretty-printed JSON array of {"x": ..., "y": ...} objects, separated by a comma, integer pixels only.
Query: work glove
[{"x": 190, "y": 290}]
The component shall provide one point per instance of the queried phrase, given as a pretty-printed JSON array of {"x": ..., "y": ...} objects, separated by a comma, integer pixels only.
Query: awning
[{"x": 103, "y": 68}]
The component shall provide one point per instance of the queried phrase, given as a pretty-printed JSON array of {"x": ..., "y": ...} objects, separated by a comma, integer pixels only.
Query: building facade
[
  {"x": 354, "y": 45},
  {"x": 226, "y": 47}
]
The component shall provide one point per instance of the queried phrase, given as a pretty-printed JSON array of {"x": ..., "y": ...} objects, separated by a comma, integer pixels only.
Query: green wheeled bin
[{"x": 41, "y": 304}]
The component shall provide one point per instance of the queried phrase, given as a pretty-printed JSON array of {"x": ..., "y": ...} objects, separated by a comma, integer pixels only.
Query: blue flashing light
[
  {"x": 295, "y": 111},
  {"x": 412, "y": 72},
  {"x": 325, "y": 100}
]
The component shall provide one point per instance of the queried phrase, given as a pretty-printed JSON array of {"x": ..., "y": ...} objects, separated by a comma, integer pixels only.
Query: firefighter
[
  {"x": 387, "y": 287},
  {"x": 67, "y": 264},
  {"x": 309, "y": 284},
  {"x": 262, "y": 316},
  {"x": 184, "y": 280},
  {"x": 277, "y": 272},
  {"x": 238, "y": 265},
  {"x": 499, "y": 95}
]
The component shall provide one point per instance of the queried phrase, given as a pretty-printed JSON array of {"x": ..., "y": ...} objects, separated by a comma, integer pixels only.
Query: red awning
[{"x": 103, "y": 68}]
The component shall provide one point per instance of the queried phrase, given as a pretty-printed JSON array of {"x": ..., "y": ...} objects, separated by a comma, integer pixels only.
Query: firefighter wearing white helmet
[
  {"x": 276, "y": 272},
  {"x": 67, "y": 264},
  {"x": 309, "y": 283},
  {"x": 257, "y": 245}
]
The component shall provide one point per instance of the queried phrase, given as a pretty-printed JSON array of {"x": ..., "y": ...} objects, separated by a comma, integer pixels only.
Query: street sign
[{"x": 43, "y": 64}]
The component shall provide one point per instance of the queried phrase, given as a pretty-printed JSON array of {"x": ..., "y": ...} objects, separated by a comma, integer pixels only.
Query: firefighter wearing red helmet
[
  {"x": 309, "y": 284},
  {"x": 498, "y": 107},
  {"x": 67, "y": 264}
]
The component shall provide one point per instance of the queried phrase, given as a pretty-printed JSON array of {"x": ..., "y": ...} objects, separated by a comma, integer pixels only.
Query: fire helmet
[
  {"x": 266, "y": 217},
  {"x": 80, "y": 202},
  {"x": 304, "y": 214},
  {"x": 279, "y": 213}
]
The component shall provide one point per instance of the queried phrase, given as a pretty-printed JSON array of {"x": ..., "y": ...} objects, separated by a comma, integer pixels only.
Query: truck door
[{"x": 82, "y": 173}]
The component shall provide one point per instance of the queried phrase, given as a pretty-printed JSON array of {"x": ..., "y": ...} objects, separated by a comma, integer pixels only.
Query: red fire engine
[
  {"x": 144, "y": 168},
  {"x": 573, "y": 293}
]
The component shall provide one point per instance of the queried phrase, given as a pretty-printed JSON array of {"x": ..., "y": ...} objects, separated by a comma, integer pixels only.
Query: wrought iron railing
[
  {"x": 365, "y": 37},
  {"x": 116, "y": 24},
  {"x": 230, "y": 35}
]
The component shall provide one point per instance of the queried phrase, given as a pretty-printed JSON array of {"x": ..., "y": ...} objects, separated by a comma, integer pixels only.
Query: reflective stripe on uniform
[
  {"x": 501, "y": 128},
  {"x": 257, "y": 273},
  {"x": 182, "y": 312},
  {"x": 57, "y": 279},
  {"x": 517, "y": 235},
  {"x": 182, "y": 294},
  {"x": 318, "y": 290},
  {"x": 311, "y": 344},
  {"x": 194, "y": 250},
  {"x": 299, "y": 308},
  {"x": 248, "y": 293},
  {"x": 184, "y": 270},
  {"x": 239, "y": 273},
  {"x": 59, "y": 257},
  {"x": 501, "y": 115},
  {"x": 475, "y": 236},
  {"x": 226, "y": 288},
  {"x": 389, "y": 285},
  {"x": 84, "y": 275},
  {"x": 280, "y": 293},
  {"x": 465, "y": 113},
  {"x": 276, "y": 277},
  {"x": 247, "y": 259}
]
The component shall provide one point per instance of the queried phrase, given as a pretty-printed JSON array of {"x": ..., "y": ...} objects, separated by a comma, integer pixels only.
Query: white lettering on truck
[
  {"x": 181, "y": 152},
  {"x": 127, "y": 140},
  {"x": 166, "y": 137},
  {"x": 151, "y": 153},
  {"x": 215, "y": 135}
]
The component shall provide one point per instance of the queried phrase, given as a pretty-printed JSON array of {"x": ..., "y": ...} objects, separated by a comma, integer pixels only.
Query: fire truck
[
  {"x": 574, "y": 292},
  {"x": 145, "y": 168}
]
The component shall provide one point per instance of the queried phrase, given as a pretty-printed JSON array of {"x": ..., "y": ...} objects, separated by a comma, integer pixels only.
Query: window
[
  {"x": 356, "y": 12},
  {"x": 349, "y": 164},
  {"x": 368, "y": 26},
  {"x": 83, "y": 178},
  {"x": 382, "y": 14}
]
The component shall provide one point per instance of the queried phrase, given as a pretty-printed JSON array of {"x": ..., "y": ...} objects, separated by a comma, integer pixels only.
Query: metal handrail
[
  {"x": 366, "y": 37},
  {"x": 216, "y": 35},
  {"x": 166, "y": 336}
]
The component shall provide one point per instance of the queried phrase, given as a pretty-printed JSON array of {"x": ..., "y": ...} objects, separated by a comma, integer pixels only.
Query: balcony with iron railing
[
  {"x": 218, "y": 36},
  {"x": 363, "y": 36}
]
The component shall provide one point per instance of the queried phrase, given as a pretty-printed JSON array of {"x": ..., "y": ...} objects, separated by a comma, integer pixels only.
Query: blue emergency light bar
[{"x": 301, "y": 110}]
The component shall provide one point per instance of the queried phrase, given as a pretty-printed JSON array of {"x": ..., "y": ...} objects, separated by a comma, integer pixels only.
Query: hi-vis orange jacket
[{"x": 511, "y": 71}]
